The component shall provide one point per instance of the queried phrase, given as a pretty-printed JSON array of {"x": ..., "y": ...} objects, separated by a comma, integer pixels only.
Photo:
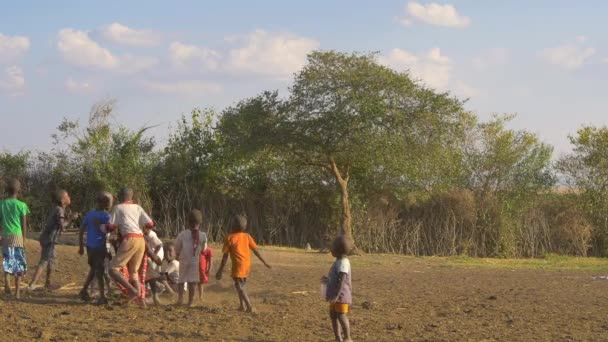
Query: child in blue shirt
[{"x": 95, "y": 225}]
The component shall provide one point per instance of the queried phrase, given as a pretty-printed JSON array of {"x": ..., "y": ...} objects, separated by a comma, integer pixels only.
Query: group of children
[{"x": 121, "y": 246}]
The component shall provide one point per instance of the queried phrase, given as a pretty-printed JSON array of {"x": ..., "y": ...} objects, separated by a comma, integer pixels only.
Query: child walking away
[
  {"x": 188, "y": 246},
  {"x": 339, "y": 290},
  {"x": 95, "y": 223},
  {"x": 127, "y": 217},
  {"x": 57, "y": 221},
  {"x": 204, "y": 269},
  {"x": 238, "y": 246},
  {"x": 13, "y": 220}
]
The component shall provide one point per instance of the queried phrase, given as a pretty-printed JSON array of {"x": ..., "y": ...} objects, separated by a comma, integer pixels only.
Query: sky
[{"x": 545, "y": 60}]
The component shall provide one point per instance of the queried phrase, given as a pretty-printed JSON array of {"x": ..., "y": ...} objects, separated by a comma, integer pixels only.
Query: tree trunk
[{"x": 342, "y": 180}]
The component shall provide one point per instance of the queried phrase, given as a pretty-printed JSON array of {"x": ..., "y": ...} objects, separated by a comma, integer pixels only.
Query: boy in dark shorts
[
  {"x": 339, "y": 290},
  {"x": 95, "y": 225},
  {"x": 238, "y": 246},
  {"x": 59, "y": 218}
]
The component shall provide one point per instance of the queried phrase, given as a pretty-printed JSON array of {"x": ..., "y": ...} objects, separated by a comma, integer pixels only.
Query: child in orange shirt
[{"x": 238, "y": 245}]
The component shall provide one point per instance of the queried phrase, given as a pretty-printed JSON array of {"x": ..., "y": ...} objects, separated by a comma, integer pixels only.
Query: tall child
[
  {"x": 95, "y": 225},
  {"x": 128, "y": 218},
  {"x": 58, "y": 219},
  {"x": 339, "y": 289},
  {"x": 238, "y": 246},
  {"x": 13, "y": 219},
  {"x": 188, "y": 246}
]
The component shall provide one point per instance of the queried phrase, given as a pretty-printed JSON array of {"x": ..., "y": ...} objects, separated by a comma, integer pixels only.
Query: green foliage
[{"x": 586, "y": 169}]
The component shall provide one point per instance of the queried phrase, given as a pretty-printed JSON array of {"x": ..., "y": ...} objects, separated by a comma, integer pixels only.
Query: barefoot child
[
  {"x": 339, "y": 290},
  {"x": 95, "y": 223},
  {"x": 57, "y": 221},
  {"x": 13, "y": 220},
  {"x": 188, "y": 246},
  {"x": 204, "y": 269},
  {"x": 128, "y": 218},
  {"x": 238, "y": 246}
]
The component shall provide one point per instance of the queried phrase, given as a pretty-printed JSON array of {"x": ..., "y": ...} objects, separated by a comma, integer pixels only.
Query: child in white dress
[{"x": 188, "y": 246}]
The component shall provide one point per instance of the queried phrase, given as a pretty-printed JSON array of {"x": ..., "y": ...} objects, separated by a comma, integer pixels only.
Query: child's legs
[
  {"x": 343, "y": 319},
  {"x": 17, "y": 286},
  {"x": 241, "y": 285},
  {"x": 200, "y": 290},
  {"x": 335, "y": 325},
  {"x": 180, "y": 293},
  {"x": 7, "y": 286},
  {"x": 191, "y": 289},
  {"x": 50, "y": 265}
]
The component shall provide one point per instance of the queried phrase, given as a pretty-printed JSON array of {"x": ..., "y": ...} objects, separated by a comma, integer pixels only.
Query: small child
[
  {"x": 170, "y": 273},
  {"x": 95, "y": 223},
  {"x": 238, "y": 245},
  {"x": 204, "y": 270},
  {"x": 189, "y": 244},
  {"x": 152, "y": 276},
  {"x": 339, "y": 290},
  {"x": 58, "y": 220},
  {"x": 13, "y": 219}
]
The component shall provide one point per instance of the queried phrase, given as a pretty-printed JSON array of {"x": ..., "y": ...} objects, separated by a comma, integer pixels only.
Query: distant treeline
[{"x": 353, "y": 147}]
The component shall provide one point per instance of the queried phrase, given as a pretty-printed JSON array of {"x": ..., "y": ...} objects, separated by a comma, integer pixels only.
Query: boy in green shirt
[{"x": 13, "y": 220}]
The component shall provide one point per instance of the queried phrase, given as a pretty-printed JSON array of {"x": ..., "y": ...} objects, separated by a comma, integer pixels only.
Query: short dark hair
[
  {"x": 239, "y": 223},
  {"x": 104, "y": 199},
  {"x": 13, "y": 186},
  {"x": 57, "y": 196},
  {"x": 195, "y": 217},
  {"x": 342, "y": 245},
  {"x": 125, "y": 194}
]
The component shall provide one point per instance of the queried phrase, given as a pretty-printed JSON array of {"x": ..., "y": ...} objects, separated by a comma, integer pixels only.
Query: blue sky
[{"x": 546, "y": 61}]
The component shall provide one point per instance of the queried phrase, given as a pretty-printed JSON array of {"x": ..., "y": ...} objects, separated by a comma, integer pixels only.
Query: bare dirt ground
[{"x": 396, "y": 299}]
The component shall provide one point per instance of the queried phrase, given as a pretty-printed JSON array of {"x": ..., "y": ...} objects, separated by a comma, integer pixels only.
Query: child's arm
[
  {"x": 218, "y": 275},
  {"x": 150, "y": 253},
  {"x": 209, "y": 265},
  {"x": 257, "y": 254},
  {"x": 81, "y": 238},
  {"x": 24, "y": 226}
]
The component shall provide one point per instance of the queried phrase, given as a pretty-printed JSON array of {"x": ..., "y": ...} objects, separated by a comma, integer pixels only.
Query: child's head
[
  {"x": 195, "y": 218},
  {"x": 169, "y": 249},
  {"x": 239, "y": 223},
  {"x": 125, "y": 195},
  {"x": 61, "y": 198},
  {"x": 104, "y": 200},
  {"x": 13, "y": 187},
  {"x": 341, "y": 246}
]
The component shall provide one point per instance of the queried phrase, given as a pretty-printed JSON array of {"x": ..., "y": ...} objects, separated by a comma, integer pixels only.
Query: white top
[
  {"x": 129, "y": 217},
  {"x": 153, "y": 240}
]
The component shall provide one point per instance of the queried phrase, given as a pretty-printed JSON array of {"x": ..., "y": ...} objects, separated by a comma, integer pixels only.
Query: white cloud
[
  {"x": 12, "y": 48},
  {"x": 12, "y": 81},
  {"x": 491, "y": 58},
  {"x": 78, "y": 87},
  {"x": 432, "y": 68},
  {"x": 570, "y": 55},
  {"x": 189, "y": 87},
  {"x": 434, "y": 14},
  {"x": 182, "y": 55},
  {"x": 273, "y": 54},
  {"x": 124, "y": 35},
  {"x": 77, "y": 48},
  {"x": 465, "y": 90}
]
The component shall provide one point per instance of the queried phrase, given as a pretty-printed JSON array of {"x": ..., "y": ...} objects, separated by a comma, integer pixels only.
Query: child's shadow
[{"x": 44, "y": 298}]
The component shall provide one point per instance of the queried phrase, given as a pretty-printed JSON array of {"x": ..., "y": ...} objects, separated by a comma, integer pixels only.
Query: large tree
[{"x": 346, "y": 113}]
